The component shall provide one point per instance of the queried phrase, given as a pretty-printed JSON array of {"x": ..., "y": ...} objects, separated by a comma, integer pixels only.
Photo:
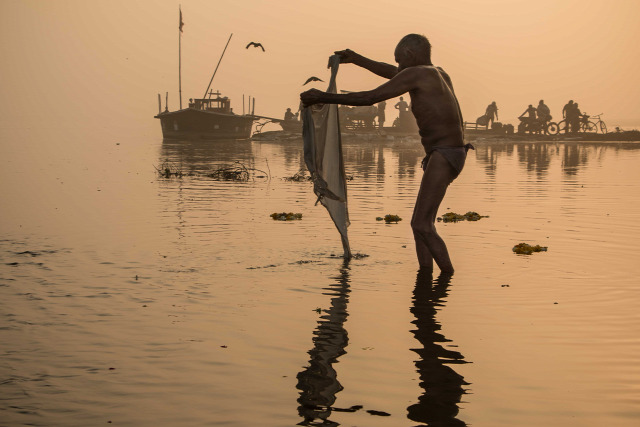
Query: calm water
[{"x": 144, "y": 301}]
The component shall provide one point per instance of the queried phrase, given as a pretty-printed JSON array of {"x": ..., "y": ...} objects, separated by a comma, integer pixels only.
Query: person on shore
[
  {"x": 569, "y": 115},
  {"x": 440, "y": 124},
  {"x": 577, "y": 118},
  {"x": 543, "y": 112},
  {"x": 528, "y": 122},
  {"x": 491, "y": 113},
  {"x": 381, "y": 116}
]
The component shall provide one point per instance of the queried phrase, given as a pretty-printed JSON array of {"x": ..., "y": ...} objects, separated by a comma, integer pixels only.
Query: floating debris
[
  {"x": 454, "y": 217},
  {"x": 527, "y": 249},
  {"x": 284, "y": 216},
  {"x": 299, "y": 176},
  {"x": 235, "y": 172},
  {"x": 168, "y": 170},
  {"x": 389, "y": 218}
]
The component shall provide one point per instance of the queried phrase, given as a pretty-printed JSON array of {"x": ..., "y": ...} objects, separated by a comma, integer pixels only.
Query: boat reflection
[
  {"x": 443, "y": 387},
  {"x": 318, "y": 383}
]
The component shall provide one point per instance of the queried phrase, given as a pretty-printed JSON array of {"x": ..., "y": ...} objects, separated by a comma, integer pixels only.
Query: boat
[{"x": 206, "y": 118}]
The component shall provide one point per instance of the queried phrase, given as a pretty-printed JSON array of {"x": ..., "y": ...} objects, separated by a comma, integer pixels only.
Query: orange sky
[{"x": 101, "y": 63}]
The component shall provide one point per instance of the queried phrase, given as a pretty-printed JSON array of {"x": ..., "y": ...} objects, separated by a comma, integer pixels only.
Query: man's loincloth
[{"x": 456, "y": 156}]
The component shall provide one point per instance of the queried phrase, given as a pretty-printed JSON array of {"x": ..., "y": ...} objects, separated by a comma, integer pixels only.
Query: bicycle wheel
[
  {"x": 603, "y": 127},
  {"x": 588, "y": 127},
  {"x": 562, "y": 127},
  {"x": 552, "y": 128}
]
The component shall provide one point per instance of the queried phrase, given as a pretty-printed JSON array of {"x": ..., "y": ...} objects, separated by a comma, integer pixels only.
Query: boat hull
[{"x": 191, "y": 123}]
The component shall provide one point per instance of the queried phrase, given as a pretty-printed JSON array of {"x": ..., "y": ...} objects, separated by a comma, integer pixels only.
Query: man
[
  {"x": 569, "y": 114},
  {"x": 381, "y": 116},
  {"x": 491, "y": 113},
  {"x": 543, "y": 112},
  {"x": 527, "y": 123},
  {"x": 288, "y": 115},
  {"x": 403, "y": 116},
  {"x": 439, "y": 119}
]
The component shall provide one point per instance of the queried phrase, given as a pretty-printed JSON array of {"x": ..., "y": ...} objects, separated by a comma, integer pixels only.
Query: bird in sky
[
  {"x": 254, "y": 44},
  {"x": 313, "y": 79}
]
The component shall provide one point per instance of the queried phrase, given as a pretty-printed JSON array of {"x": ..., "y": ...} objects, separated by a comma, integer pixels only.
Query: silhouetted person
[
  {"x": 569, "y": 114},
  {"x": 577, "y": 116},
  {"x": 402, "y": 106},
  {"x": 491, "y": 113},
  {"x": 381, "y": 116},
  {"x": 443, "y": 387},
  {"x": 530, "y": 120},
  {"x": 543, "y": 112},
  {"x": 439, "y": 120},
  {"x": 288, "y": 115}
]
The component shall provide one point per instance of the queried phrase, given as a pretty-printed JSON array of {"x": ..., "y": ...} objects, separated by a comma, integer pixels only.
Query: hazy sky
[{"x": 102, "y": 63}]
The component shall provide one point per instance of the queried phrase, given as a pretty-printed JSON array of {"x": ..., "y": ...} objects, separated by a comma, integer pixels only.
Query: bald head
[{"x": 417, "y": 46}]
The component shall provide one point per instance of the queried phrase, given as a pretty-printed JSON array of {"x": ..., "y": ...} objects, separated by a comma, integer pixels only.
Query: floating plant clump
[
  {"x": 284, "y": 216},
  {"x": 389, "y": 218},
  {"x": 527, "y": 249},
  {"x": 454, "y": 217}
]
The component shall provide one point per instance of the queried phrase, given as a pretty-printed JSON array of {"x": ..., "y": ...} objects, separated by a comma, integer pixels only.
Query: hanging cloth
[{"x": 323, "y": 156}]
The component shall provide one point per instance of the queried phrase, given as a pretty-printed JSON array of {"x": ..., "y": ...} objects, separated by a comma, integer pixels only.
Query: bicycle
[{"x": 589, "y": 126}]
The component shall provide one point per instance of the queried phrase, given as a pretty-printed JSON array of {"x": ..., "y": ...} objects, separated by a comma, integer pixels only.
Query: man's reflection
[
  {"x": 443, "y": 387},
  {"x": 318, "y": 383}
]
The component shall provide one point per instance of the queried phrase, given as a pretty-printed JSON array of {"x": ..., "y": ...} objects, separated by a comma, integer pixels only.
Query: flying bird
[
  {"x": 313, "y": 79},
  {"x": 254, "y": 44}
]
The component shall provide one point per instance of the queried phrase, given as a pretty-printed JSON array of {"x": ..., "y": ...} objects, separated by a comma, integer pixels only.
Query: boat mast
[
  {"x": 180, "y": 24},
  {"x": 216, "y": 70}
]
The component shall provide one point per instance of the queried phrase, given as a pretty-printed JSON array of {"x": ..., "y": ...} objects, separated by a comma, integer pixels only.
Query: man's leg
[{"x": 429, "y": 245}]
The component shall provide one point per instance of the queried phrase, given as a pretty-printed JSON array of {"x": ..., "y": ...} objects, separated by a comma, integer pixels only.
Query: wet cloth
[
  {"x": 323, "y": 156},
  {"x": 456, "y": 156}
]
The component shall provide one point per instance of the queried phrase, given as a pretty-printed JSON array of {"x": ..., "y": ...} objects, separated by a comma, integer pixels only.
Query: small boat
[{"x": 206, "y": 118}]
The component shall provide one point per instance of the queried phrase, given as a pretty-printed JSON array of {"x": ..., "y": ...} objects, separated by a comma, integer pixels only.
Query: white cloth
[{"x": 323, "y": 156}]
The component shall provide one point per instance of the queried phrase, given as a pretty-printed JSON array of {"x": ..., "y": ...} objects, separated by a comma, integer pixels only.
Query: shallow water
[{"x": 146, "y": 301}]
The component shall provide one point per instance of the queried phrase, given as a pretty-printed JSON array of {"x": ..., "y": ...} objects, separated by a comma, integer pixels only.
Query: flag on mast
[{"x": 181, "y": 24}]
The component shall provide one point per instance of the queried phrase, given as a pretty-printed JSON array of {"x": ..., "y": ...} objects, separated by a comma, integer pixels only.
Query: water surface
[{"x": 142, "y": 300}]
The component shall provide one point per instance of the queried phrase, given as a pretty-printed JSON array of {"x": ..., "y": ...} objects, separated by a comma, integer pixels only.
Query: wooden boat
[{"x": 206, "y": 118}]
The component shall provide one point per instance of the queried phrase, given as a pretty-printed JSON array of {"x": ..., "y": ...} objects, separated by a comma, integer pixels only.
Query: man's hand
[
  {"x": 347, "y": 56},
  {"x": 311, "y": 97}
]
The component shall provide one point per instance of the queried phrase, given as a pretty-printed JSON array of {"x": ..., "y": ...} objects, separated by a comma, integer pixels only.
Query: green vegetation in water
[
  {"x": 454, "y": 217},
  {"x": 527, "y": 249},
  {"x": 389, "y": 218},
  {"x": 284, "y": 216}
]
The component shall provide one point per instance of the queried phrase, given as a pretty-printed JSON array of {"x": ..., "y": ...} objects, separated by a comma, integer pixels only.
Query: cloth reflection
[
  {"x": 443, "y": 387},
  {"x": 318, "y": 383}
]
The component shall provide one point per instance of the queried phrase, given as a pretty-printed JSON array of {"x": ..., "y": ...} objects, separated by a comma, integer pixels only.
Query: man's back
[{"x": 435, "y": 108}]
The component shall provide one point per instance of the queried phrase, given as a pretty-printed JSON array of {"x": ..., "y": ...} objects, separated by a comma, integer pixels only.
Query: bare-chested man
[{"x": 439, "y": 119}]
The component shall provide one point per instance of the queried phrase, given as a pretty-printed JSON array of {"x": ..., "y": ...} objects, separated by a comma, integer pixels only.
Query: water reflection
[
  {"x": 537, "y": 157},
  {"x": 198, "y": 156},
  {"x": 443, "y": 387},
  {"x": 318, "y": 383}
]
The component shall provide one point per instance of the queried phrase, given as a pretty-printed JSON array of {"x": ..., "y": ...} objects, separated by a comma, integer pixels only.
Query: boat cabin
[{"x": 218, "y": 104}]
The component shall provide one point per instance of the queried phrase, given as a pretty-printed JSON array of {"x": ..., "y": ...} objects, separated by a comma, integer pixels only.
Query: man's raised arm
[
  {"x": 382, "y": 69},
  {"x": 403, "y": 82}
]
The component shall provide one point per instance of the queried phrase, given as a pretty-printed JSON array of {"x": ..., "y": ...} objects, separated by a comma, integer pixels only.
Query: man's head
[
  {"x": 288, "y": 109},
  {"x": 412, "y": 50},
  {"x": 541, "y": 101}
]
